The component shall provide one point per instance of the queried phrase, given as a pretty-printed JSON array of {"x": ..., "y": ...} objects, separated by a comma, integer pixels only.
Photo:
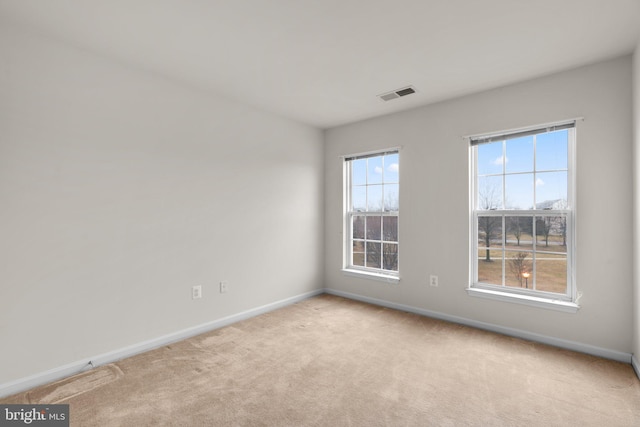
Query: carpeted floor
[{"x": 329, "y": 361}]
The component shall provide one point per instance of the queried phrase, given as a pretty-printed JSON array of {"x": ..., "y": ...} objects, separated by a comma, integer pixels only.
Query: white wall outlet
[
  {"x": 433, "y": 280},
  {"x": 196, "y": 292},
  {"x": 224, "y": 286}
]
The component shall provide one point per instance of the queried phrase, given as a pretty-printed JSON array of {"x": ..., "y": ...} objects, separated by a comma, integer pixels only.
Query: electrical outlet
[
  {"x": 433, "y": 280},
  {"x": 223, "y": 287},
  {"x": 196, "y": 292}
]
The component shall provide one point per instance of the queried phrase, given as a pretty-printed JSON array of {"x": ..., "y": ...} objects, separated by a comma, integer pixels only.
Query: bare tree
[
  {"x": 556, "y": 225},
  {"x": 382, "y": 250},
  {"x": 390, "y": 257},
  {"x": 544, "y": 226},
  {"x": 562, "y": 225},
  {"x": 385, "y": 252},
  {"x": 389, "y": 245},
  {"x": 519, "y": 266},
  {"x": 489, "y": 227},
  {"x": 515, "y": 227},
  {"x": 549, "y": 225},
  {"x": 372, "y": 254}
]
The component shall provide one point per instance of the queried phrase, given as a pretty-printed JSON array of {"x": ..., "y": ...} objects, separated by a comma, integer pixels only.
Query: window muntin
[
  {"x": 372, "y": 189},
  {"x": 523, "y": 209}
]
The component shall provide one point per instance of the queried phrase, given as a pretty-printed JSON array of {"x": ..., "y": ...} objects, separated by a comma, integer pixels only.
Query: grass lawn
[{"x": 549, "y": 274}]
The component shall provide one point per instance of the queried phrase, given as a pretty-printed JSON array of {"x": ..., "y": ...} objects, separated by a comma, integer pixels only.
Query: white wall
[
  {"x": 434, "y": 217},
  {"x": 119, "y": 190},
  {"x": 636, "y": 206}
]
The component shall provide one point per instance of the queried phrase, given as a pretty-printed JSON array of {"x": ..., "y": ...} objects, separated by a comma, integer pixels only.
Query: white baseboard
[
  {"x": 636, "y": 365},
  {"x": 556, "y": 342},
  {"x": 58, "y": 373}
]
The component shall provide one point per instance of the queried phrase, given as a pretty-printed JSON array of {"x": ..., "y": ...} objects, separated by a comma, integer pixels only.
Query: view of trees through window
[
  {"x": 373, "y": 211},
  {"x": 522, "y": 212},
  {"x": 530, "y": 251}
]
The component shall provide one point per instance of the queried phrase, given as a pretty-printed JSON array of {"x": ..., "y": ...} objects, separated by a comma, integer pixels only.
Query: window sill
[
  {"x": 369, "y": 275},
  {"x": 564, "y": 306}
]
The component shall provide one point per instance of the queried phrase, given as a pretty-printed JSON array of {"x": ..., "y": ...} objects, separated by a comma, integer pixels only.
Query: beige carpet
[{"x": 328, "y": 361}]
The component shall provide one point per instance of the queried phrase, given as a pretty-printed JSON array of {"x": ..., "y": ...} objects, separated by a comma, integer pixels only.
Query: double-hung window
[
  {"x": 372, "y": 208},
  {"x": 523, "y": 209}
]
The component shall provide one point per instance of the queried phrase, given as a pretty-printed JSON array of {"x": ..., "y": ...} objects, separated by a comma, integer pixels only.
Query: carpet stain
[{"x": 67, "y": 388}]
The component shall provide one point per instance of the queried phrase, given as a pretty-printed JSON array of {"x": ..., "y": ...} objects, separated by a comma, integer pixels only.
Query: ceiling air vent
[{"x": 397, "y": 93}]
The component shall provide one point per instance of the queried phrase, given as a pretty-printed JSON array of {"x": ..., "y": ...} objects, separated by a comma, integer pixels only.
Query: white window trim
[
  {"x": 530, "y": 300},
  {"x": 366, "y": 274},
  {"x": 392, "y": 277},
  {"x": 567, "y": 303}
]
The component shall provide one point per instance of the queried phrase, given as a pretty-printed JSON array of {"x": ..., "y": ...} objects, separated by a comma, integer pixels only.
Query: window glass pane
[
  {"x": 519, "y": 269},
  {"x": 551, "y": 273},
  {"x": 374, "y": 170},
  {"x": 374, "y": 198},
  {"x": 358, "y": 227},
  {"x": 519, "y": 191},
  {"x": 373, "y": 227},
  {"x": 359, "y": 198},
  {"x": 489, "y": 231},
  {"x": 373, "y": 255},
  {"x": 358, "y": 253},
  {"x": 489, "y": 193},
  {"x": 551, "y": 190},
  {"x": 391, "y": 197},
  {"x": 359, "y": 171},
  {"x": 519, "y": 156},
  {"x": 551, "y": 150},
  {"x": 490, "y": 158},
  {"x": 373, "y": 189},
  {"x": 490, "y": 266},
  {"x": 390, "y": 256},
  {"x": 391, "y": 168},
  {"x": 519, "y": 232},
  {"x": 390, "y": 228},
  {"x": 551, "y": 233},
  {"x": 529, "y": 174}
]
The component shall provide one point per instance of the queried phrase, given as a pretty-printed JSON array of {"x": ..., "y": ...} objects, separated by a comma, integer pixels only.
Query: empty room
[{"x": 319, "y": 213}]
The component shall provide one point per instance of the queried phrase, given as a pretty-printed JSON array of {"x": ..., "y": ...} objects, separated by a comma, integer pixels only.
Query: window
[
  {"x": 523, "y": 213},
  {"x": 372, "y": 188}
]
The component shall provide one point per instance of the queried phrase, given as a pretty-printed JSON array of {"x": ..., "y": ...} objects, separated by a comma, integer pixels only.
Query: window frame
[
  {"x": 390, "y": 276},
  {"x": 567, "y": 301}
]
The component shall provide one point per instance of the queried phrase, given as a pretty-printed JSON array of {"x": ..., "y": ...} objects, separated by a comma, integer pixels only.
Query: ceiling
[{"x": 323, "y": 62}]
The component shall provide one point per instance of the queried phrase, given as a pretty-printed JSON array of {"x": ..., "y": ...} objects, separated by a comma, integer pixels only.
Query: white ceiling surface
[{"x": 322, "y": 62}]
